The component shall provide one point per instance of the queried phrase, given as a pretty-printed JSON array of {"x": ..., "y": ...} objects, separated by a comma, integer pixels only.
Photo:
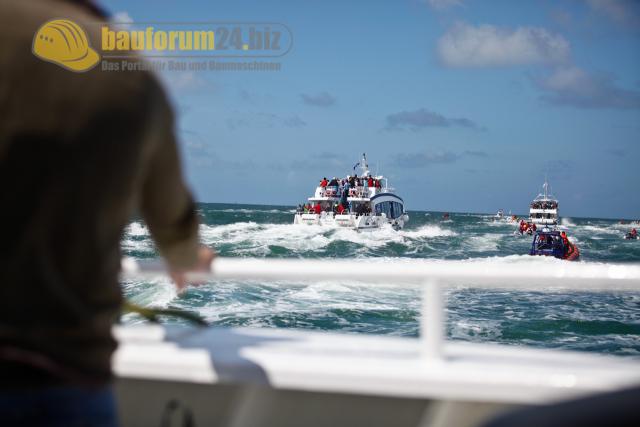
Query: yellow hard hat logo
[{"x": 65, "y": 43}]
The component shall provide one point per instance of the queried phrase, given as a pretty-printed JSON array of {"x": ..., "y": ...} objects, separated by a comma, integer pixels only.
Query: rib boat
[{"x": 548, "y": 242}]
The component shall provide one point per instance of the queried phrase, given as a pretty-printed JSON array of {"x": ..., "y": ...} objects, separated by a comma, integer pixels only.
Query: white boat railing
[{"x": 432, "y": 276}]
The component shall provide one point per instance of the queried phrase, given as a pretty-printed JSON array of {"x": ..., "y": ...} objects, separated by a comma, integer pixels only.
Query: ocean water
[{"x": 603, "y": 322}]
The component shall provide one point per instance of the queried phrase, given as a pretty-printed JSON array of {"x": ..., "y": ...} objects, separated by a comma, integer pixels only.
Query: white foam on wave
[
  {"x": 500, "y": 223},
  {"x": 386, "y": 234},
  {"x": 136, "y": 229},
  {"x": 136, "y": 238},
  {"x": 427, "y": 231},
  {"x": 253, "y": 237},
  {"x": 486, "y": 242},
  {"x": 597, "y": 229},
  {"x": 132, "y": 245},
  {"x": 317, "y": 299},
  {"x": 157, "y": 293}
]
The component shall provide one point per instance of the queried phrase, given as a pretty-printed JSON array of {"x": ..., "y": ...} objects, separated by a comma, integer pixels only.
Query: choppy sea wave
[{"x": 600, "y": 322}]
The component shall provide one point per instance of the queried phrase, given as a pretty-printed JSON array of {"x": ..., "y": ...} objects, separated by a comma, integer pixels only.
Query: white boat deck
[{"x": 365, "y": 365}]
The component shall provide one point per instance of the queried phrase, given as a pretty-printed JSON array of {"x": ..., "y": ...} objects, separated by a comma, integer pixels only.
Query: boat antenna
[{"x": 364, "y": 165}]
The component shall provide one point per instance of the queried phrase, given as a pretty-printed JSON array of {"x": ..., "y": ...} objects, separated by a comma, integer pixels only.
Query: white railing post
[{"x": 432, "y": 320}]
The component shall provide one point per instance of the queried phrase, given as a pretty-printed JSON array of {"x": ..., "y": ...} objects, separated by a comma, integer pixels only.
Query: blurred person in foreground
[{"x": 79, "y": 153}]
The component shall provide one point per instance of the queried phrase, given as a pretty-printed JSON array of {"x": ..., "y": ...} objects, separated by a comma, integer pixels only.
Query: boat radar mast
[
  {"x": 545, "y": 188},
  {"x": 546, "y": 193},
  {"x": 364, "y": 165}
]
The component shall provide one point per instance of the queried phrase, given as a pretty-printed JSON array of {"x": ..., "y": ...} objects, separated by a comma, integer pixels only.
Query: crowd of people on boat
[
  {"x": 544, "y": 204},
  {"x": 337, "y": 187},
  {"x": 336, "y": 208}
]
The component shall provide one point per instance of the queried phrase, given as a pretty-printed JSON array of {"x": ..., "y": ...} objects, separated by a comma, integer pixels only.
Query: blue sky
[{"x": 464, "y": 104}]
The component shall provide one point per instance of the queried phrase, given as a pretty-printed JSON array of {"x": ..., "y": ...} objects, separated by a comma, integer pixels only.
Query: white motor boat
[
  {"x": 358, "y": 201},
  {"x": 544, "y": 208}
]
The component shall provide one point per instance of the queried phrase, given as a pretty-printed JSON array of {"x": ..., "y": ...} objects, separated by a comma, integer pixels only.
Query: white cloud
[
  {"x": 121, "y": 20},
  {"x": 422, "y": 118},
  {"x": 487, "y": 45},
  {"x": 122, "y": 17},
  {"x": 573, "y": 86}
]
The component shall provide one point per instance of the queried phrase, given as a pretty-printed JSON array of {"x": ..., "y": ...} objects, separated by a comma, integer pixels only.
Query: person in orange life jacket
[
  {"x": 324, "y": 182},
  {"x": 568, "y": 247},
  {"x": 317, "y": 209}
]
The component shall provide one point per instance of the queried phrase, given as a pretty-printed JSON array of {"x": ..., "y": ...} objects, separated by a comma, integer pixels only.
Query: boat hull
[
  {"x": 574, "y": 255},
  {"x": 358, "y": 222}
]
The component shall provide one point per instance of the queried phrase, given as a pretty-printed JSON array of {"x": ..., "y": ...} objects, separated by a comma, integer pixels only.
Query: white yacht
[
  {"x": 544, "y": 208},
  {"x": 358, "y": 201}
]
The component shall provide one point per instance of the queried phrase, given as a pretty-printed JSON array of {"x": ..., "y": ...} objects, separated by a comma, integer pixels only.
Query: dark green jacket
[{"x": 79, "y": 153}]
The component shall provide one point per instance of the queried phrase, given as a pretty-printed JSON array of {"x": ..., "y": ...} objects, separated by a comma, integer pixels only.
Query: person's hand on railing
[{"x": 206, "y": 256}]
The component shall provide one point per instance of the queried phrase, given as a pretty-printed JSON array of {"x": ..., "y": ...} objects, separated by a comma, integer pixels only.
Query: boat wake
[{"x": 261, "y": 239}]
